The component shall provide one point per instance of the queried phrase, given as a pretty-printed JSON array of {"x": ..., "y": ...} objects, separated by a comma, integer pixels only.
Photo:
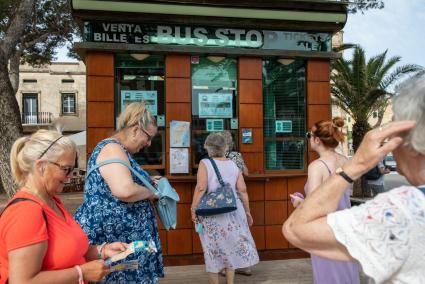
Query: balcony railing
[{"x": 36, "y": 118}]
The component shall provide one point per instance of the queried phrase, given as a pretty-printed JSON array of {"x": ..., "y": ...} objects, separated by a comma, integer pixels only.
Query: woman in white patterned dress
[
  {"x": 226, "y": 240},
  {"x": 387, "y": 234}
]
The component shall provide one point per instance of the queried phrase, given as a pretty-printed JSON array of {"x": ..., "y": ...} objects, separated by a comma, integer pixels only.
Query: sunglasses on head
[{"x": 308, "y": 135}]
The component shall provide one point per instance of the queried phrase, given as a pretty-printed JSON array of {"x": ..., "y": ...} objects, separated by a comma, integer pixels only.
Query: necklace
[{"x": 49, "y": 201}]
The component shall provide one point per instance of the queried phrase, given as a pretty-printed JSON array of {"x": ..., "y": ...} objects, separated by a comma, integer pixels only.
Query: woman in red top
[{"x": 40, "y": 241}]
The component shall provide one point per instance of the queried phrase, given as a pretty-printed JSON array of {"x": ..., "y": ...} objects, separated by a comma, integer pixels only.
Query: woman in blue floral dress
[{"x": 117, "y": 206}]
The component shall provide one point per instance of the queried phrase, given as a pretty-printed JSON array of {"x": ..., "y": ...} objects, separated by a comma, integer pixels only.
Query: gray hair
[
  {"x": 228, "y": 139},
  {"x": 215, "y": 145},
  {"x": 409, "y": 104}
]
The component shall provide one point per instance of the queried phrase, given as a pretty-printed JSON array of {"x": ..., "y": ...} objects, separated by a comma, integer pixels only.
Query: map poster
[
  {"x": 179, "y": 160},
  {"x": 215, "y": 105},
  {"x": 148, "y": 97},
  {"x": 179, "y": 133}
]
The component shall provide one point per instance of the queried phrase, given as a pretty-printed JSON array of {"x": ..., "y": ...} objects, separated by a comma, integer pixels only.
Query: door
[{"x": 29, "y": 108}]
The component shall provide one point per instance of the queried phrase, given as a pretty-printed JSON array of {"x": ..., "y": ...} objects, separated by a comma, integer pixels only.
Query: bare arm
[
  {"x": 243, "y": 194},
  {"x": 118, "y": 177},
  {"x": 307, "y": 227},
  {"x": 201, "y": 187},
  {"x": 25, "y": 267},
  {"x": 316, "y": 175}
]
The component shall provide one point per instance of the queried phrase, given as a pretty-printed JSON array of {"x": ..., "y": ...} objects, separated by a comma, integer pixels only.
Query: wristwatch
[{"x": 340, "y": 171}]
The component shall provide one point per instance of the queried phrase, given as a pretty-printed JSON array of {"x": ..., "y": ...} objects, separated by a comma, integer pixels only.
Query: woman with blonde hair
[
  {"x": 324, "y": 138},
  {"x": 117, "y": 205},
  {"x": 40, "y": 241}
]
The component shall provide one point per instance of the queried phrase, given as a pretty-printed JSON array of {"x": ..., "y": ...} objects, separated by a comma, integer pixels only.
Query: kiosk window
[
  {"x": 214, "y": 100},
  {"x": 140, "y": 77},
  {"x": 284, "y": 114}
]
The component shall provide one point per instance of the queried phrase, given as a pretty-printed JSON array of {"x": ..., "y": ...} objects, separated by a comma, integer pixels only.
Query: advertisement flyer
[
  {"x": 149, "y": 97},
  {"x": 215, "y": 105},
  {"x": 179, "y": 160}
]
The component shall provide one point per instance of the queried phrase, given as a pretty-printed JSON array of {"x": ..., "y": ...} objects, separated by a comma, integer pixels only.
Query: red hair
[{"x": 329, "y": 132}]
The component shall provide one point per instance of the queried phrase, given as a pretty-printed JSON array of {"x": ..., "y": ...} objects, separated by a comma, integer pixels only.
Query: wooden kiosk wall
[{"x": 268, "y": 192}]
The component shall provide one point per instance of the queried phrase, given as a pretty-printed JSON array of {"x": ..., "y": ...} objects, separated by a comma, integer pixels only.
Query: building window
[
  {"x": 284, "y": 114},
  {"x": 67, "y": 81},
  {"x": 214, "y": 100},
  {"x": 140, "y": 77},
  {"x": 29, "y": 108},
  {"x": 68, "y": 103},
  {"x": 29, "y": 81}
]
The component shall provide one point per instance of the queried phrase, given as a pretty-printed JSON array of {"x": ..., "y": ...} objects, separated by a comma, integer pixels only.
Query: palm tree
[{"x": 360, "y": 88}]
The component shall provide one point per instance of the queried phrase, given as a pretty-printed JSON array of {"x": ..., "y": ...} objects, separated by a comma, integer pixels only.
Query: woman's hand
[
  {"x": 194, "y": 216},
  {"x": 249, "y": 219},
  {"x": 112, "y": 249},
  {"x": 94, "y": 271},
  {"x": 296, "y": 199},
  {"x": 155, "y": 179},
  {"x": 375, "y": 145}
]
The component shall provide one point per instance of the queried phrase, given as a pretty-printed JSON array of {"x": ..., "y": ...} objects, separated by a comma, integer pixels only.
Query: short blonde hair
[
  {"x": 136, "y": 114},
  {"x": 44, "y": 144},
  {"x": 215, "y": 145}
]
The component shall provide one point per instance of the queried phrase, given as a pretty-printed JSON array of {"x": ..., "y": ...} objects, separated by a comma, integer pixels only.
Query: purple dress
[
  {"x": 326, "y": 271},
  {"x": 226, "y": 240}
]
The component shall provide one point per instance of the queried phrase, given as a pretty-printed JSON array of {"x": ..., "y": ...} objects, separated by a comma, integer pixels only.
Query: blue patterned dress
[{"x": 104, "y": 218}]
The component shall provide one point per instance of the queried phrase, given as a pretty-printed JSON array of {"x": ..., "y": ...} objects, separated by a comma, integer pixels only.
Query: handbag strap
[
  {"x": 147, "y": 184},
  {"x": 217, "y": 172}
]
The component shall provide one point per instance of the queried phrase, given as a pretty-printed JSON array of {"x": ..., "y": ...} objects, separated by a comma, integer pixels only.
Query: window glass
[
  {"x": 284, "y": 113},
  {"x": 140, "y": 77},
  {"x": 68, "y": 103},
  {"x": 214, "y": 100}
]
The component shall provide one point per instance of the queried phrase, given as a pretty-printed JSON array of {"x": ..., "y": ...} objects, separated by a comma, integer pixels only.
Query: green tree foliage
[
  {"x": 361, "y": 86},
  {"x": 30, "y": 31},
  {"x": 363, "y": 5}
]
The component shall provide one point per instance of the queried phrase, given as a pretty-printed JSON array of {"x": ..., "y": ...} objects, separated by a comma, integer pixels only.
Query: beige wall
[{"x": 49, "y": 88}]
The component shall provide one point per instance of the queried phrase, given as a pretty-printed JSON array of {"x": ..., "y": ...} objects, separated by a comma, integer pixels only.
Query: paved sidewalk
[{"x": 292, "y": 271}]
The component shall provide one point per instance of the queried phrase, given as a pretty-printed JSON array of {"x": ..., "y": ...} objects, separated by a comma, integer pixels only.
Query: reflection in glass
[
  {"x": 141, "y": 77},
  {"x": 214, "y": 100},
  {"x": 284, "y": 113}
]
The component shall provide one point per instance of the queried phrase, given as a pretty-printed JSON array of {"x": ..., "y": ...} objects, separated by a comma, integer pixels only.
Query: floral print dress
[
  {"x": 226, "y": 239},
  {"x": 104, "y": 218}
]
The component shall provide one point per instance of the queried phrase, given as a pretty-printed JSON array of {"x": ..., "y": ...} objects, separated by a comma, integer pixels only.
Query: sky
[{"x": 399, "y": 27}]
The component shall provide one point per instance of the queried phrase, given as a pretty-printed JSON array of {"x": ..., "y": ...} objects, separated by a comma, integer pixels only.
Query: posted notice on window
[
  {"x": 179, "y": 133},
  {"x": 150, "y": 98},
  {"x": 179, "y": 160},
  {"x": 215, "y": 105}
]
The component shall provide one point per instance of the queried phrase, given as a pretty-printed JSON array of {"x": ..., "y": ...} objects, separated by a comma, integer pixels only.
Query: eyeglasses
[
  {"x": 66, "y": 169},
  {"x": 308, "y": 135},
  {"x": 150, "y": 137}
]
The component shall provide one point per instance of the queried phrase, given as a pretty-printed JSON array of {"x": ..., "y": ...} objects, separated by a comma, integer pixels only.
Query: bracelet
[
  {"x": 100, "y": 248},
  {"x": 80, "y": 274}
]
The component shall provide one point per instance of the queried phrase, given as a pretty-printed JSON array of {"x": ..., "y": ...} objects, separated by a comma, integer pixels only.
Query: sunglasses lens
[{"x": 308, "y": 135}]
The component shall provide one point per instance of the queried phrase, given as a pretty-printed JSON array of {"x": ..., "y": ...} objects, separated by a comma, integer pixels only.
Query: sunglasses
[
  {"x": 308, "y": 135},
  {"x": 66, "y": 169}
]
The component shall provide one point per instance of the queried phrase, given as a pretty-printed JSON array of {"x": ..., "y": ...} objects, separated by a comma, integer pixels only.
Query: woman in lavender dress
[
  {"x": 226, "y": 240},
  {"x": 324, "y": 137}
]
